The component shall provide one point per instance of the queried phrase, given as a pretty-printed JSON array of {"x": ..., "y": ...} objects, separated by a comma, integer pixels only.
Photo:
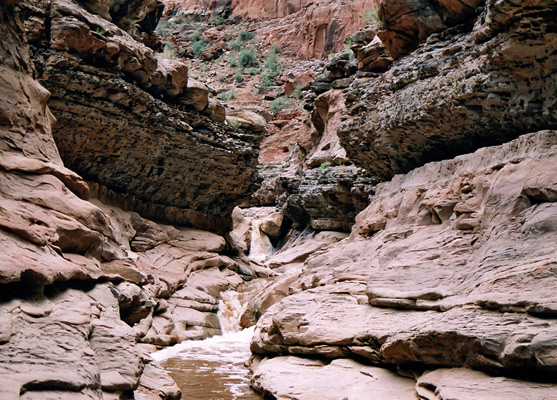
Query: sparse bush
[
  {"x": 269, "y": 78},
  {"x": 233, "y": 121},
  {"x": 167, "y": 51},
  {"x": 279, "y": 104},
  {"x": 217, "y": 21},
  {"x": 197, "y": 48},
  {"x": 245, "y": 36},
  {"x": 370, "y": 17},
  {"x": 197, "y": 36},
  {"x": 248, "y": 58},
  {"x": 252, "y": 71},
  {"x": 235, "y": 45},
  {"x": 238, "y": 77},
  {"x": 163, "y": 27},
  {"x": 271, "y": 63},
  {"x": 324, "y": 165},
  {"x": 232, "y": 60},
  {"x": 100, "y": 30},
  {"x": 297, "y": 93},
  {"x": 228, "y": 95}
]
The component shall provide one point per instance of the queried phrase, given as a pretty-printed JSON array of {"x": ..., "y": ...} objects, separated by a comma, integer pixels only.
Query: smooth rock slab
[
  {"x": 298, "y": 378},
  {"x": 466, "y": 384}
]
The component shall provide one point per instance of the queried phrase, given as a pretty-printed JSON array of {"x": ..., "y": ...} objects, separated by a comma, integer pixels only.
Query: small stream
[{"x": 213, "y": 369}]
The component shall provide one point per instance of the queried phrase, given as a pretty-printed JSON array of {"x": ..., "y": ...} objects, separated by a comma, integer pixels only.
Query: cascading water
[{"x": 214, "y": 368}]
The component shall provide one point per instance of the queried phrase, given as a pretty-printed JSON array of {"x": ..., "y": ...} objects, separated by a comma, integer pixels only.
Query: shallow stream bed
[{"x": 213, "y": 369}]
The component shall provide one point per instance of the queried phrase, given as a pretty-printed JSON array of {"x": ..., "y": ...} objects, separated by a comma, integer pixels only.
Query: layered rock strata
[
  {"x": 326, "y": 198},
  {"x": 133, "y": 123},
  {"x": 479, "y": 83},
  {"x": 86, "y": 289},
  {"x": 452, "y": 265}
]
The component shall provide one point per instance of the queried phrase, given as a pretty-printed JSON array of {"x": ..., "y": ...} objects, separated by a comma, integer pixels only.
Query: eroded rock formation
[
  {"x": 479, "y": 83},
  {"x": 302, "y": 29},
  {"x": 85, "y": 289},
  {"x": 450, "y": 265},
  {"x": 132, "y": 122}
]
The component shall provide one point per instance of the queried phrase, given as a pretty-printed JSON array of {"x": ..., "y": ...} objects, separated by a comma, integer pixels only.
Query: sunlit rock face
[
  {"x": 483, "y": 82},
  {"x": 132, "y": 123},
  {"x": 301, "y": 29}
]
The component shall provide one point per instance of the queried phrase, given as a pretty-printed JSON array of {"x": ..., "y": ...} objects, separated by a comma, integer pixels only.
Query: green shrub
[
  {"x": 235, "y": 45},
  {"x": 238, "y": 77},
  {"x": 297, "y": 93},
  {"x": 197, "y": 48},
  {"x": 217, "y": 21},
  {"x": 182, "y": 19},
  {"x": 163, "y": 27},
  {"x": 197, "y": 36},
  {"x": 324, "y": 165},
  {"x": 370, "y": 17},
  {"x": 245, "y": 36},
  {"x": 279, "y": 104},
  {"x": 252, "y": 71},
  {"x": 228, "y": 95},
  {"x": 100, "y": 30},
  {"x": 232, "y": 60},
  {"x": 233, "y": 121},
  {"x": 273, "y": 67},
  {"x": 167, "y": 51},
  {"x": 271, "y": 63},
  {"x": 248, "y": 58}
]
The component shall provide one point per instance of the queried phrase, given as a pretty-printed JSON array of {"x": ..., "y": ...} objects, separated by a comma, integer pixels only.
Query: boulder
[
  {"x": 195, "y": 95},
  {"x": 299, "y": 378}
]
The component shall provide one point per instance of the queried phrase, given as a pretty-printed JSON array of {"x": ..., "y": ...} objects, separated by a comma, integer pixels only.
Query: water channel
[{"x": 213, "y": 369}]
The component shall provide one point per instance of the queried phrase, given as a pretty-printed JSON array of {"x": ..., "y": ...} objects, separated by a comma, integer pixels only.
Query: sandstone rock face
[
  {"x": 450, "y": 265},
  {"x": 409, "y": 22},
  {"x": 83, "y": 283},
  {"x": 130, "y": 122},
  {"x": 306, "y": 29},
  {"x": 301, "y": 29},
  {"x": 458, "y": 383},
  {"x": 326, "y": 198},
  {"x": 465, "y": 88}
]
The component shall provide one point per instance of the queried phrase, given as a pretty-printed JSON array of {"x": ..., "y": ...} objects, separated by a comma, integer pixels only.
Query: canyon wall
[
  {"x": 451, "y": 266},
  {"x": 300, "y": 29},
  {"x": 88, "y": 290},
  {"x": 133, "y": 124},
  {"x": 445, "y": 287},
  {"x": 483, "y": 82}
]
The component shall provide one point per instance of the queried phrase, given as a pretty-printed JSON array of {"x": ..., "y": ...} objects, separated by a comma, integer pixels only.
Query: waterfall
[
  {"x": 230, "y": 311},
  {"x": 214, "y": 367}
]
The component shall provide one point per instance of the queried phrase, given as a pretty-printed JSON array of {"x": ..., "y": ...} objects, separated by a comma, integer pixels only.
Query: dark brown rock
[
  {"x": 463, "y": 89},
  {"x": 406, "y": 23}
]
